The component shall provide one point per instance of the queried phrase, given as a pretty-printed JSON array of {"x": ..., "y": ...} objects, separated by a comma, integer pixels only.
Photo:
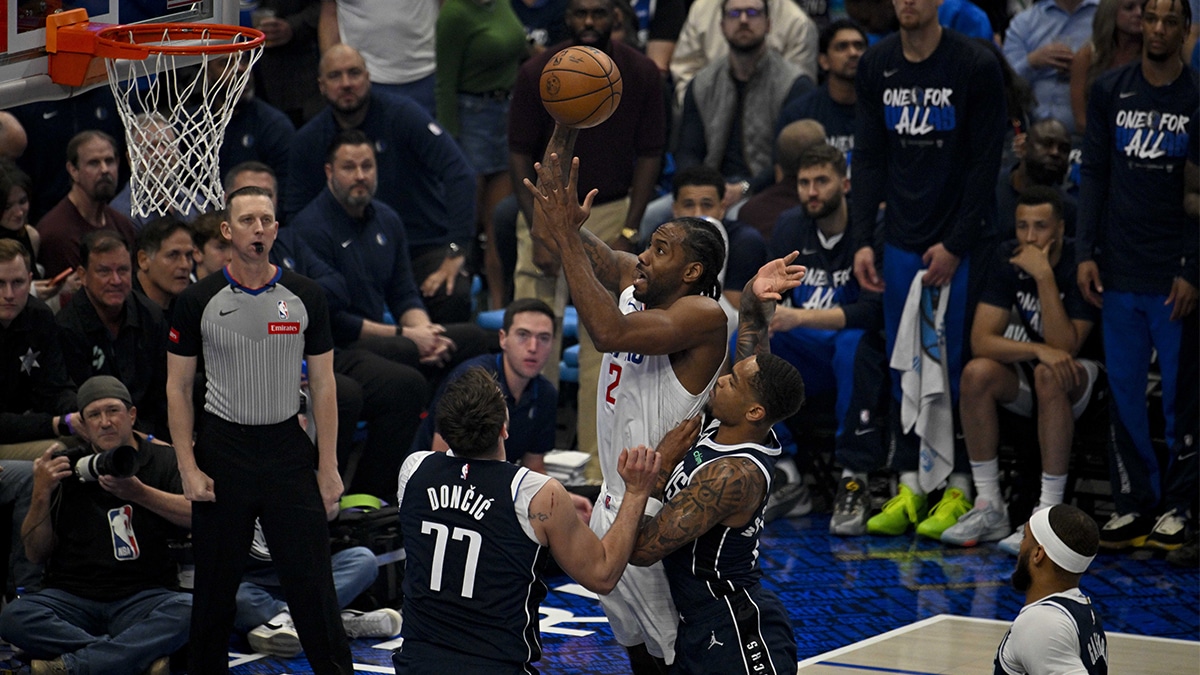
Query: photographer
[{"x": 108, "y": 604}]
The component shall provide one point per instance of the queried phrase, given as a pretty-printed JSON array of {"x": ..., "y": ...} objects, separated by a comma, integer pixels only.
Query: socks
[
  {"x": 987, "y": 481},
  {"x": 1053, "y": 488},
  {"x": 910, "y": 480},
  {"x": 961, "y": 481}
]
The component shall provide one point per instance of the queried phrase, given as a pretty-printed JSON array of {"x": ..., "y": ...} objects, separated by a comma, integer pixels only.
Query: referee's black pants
[{"x": 264, "y": 472}]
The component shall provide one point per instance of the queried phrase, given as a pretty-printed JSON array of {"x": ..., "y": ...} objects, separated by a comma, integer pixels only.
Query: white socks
[
  {"x": 987, "y": 481},
  {"x": 1053, "y": 488}
]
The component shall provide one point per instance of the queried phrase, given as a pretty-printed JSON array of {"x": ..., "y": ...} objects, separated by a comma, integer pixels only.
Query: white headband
[{"x": 1059, "y": 552}]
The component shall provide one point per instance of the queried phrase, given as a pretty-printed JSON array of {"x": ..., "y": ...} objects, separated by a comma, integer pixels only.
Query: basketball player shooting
[{"x": 663, "y": 344}]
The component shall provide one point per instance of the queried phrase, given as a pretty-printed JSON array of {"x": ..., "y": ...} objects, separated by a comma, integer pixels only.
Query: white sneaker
[
  {"x": 1012, "y": 543},
  {"x": 381, "y": 623},
  {"x": 982, "y": 523},
  {"x": 276, "y": 637}
]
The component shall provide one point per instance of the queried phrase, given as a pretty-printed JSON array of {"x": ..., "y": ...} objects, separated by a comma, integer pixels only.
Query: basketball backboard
[{"x": 23, "y": 60}]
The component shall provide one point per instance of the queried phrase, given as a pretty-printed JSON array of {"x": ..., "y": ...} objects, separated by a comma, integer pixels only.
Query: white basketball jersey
[{"x": 638, "y": 401}]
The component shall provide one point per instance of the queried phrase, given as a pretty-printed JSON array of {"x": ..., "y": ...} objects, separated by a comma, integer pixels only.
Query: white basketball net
[{"x": 175, "y": 108}]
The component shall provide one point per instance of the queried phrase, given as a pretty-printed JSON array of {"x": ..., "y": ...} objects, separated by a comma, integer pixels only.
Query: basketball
[{"x": 581, "y": 87}]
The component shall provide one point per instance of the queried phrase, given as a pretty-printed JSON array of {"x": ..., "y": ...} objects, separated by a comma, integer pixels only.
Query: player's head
[
  {"x": 916, "y": 14},
  {"x": 472, "y": 416},
  {"x": 591, "y": 22},
  {"x": 1039, "y": 218},
  {"x": 350, "y": 170},
  {"x": 840, "y": 45},
  {"x": 745, "y": 24},
  {"x": 250, "y": 224},
  {"x": 1165, "y": 26},
  {"x": 107, "y": 411},
  {"x": 92, "y": 165},
  {"x": 252, "y": 173},
  {"x": 821, "y": 181},
  {"x": 698, "y": 191},
  {"x": 1060, "y": 542},
  {"x": 759, "y": 390},
  {"x": 211, "y": 250},
  {"x": 107, "y": 269},
  {"x": 16, "y": 277},
  {"x": 793, "y": 140},
  {"x": 164, "y": 257},
  {"x": 527, "y": 336},
  {"x": 685, "y": 256},
  {"x": 1047, "y": 152},
  {"x": 343, "y": 79}
]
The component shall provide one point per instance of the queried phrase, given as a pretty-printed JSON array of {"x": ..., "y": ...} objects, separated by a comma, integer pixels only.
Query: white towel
[{"x": 920, "y": 356}]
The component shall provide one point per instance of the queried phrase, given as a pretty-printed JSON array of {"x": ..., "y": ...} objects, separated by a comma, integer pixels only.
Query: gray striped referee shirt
[{"x": 253, "y": 341}]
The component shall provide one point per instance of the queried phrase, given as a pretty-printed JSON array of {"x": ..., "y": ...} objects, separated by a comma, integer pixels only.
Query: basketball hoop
[{"x": 175, "y": 85}]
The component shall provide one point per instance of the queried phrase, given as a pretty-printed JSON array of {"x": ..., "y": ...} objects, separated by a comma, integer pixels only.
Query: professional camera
[{"x": 120, "y": 462}]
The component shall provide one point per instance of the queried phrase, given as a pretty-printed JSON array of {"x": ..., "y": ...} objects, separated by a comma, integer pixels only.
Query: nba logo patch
[
  {"x": 120, "y": 523},
  {"x": 283, "y": 310},
  {"x": 465, "y": 470}
]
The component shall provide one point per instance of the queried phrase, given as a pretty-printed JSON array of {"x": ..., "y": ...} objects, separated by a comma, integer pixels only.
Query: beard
[
  {"x": 1021, "y": 578},
  {"x": 747, "y": 48},
  {"x": 104, "y": 191},
  {"x": 1041, "y": 174},
  {"x": 827, "y": 207}
]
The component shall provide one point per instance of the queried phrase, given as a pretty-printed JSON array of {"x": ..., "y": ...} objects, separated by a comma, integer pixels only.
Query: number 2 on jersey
[
  {"x": 614, "y": 369},
  {"x": 441, "y": 534}
]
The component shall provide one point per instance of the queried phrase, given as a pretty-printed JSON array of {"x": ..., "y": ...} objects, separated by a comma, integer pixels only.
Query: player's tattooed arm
[
  {"x": 614, "y": 269},
  {"x": 728, "y": 491},
  {"x": 772, "y": 280}
]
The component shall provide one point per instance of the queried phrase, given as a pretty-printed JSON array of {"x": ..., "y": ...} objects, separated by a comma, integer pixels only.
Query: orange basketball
[{"x": 581, "y": 87}]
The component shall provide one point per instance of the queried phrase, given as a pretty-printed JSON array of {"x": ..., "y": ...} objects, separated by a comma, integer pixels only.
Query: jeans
[
  {"x": 122, "y": 636},
  {"x": 260, "y": 596},
  {"x": 16, "y": 488}
]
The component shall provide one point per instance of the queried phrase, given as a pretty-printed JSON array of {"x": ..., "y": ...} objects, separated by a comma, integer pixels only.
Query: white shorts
[
  {"x": 1023, "y": 403},
  {"x": 640, "y": 609}
]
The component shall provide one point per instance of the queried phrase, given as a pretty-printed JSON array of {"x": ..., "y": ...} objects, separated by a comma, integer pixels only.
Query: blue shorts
[{"x": 483, "y": 132}]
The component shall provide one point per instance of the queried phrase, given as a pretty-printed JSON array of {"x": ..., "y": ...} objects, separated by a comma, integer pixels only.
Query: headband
[{"x": 1062, "y": 555}]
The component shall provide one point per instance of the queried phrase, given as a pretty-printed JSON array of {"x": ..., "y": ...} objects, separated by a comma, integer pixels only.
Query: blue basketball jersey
[
  {"x": 722, "y": 560},
  {"x": 472, "y": 581},
  {"x": 1093, "y": 644}
]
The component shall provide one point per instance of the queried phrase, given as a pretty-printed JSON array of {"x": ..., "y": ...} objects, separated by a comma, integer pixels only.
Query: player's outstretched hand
[
  {"x": 778, "y": 277},
  {"x": 639, "y": 467},
  {"x": 556, "y": 208}
]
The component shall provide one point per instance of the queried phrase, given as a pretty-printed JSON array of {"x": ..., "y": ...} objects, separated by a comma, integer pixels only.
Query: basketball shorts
[
  {"x": 639, "y": 609},
  {"x": 746, "y": 632},
  {"x": 1026, "y": 398}
]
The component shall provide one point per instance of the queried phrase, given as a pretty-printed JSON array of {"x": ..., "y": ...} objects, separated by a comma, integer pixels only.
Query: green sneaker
[
  {"x": 954, "y": 505},
  {"x": 906, "y": 508}
]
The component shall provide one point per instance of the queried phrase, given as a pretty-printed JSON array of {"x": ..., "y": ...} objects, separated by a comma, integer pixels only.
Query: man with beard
[
  {"x": 1058, "y": 630},
  {"x": 1029, "y": 367},
  {"x": 730, "y": 107},
  {"x": 1043, "y": 161},
  {"x": 928, "y": 134},
  {"x": 1137, "y": 258},
  {"x": 423, "y": 176},
  {"x": 828, "y": 328},
  {"x": 663, "y": 343},
  {"x": 92, "y": 166}
]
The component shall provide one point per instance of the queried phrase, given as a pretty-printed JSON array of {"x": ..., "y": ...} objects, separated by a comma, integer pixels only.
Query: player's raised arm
[{"x": 758, "y": 303}]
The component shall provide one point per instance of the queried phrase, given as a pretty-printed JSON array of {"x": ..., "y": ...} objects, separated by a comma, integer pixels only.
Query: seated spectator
[
  {"x": 1043, "y": 160},
  {"x": 364, "y": 239},
  {"x": 1116, "y": 40},
  {"x": 829, "y": 328},
  {"x": 37, "y": 401},
  {"x": 211, "y": 251},
  {"x": 13, "y": 138},
  {"x": 424, "y": 176},
  {"x": 152, "y": 166},
  {"x": 107, "y": 329},
  {"x": 1041, "y": 43},
  {"x": 164, "y": 262},
  {"x": 92, "y": 166},
  {"x": 109, "y": 604},
  {"x": 1030, "y": 368},
  {"x": 262, "y": 611},
  {"x": 15, "y": 187},
  {"x": 762, "y": 210}
]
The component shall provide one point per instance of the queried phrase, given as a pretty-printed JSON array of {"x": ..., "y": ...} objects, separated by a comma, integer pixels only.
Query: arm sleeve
[
  {"x": 870, "y": 156},
  {"x": 451, "y": 45},
  {"x": 692, "y": 148},
  {"x": 985, "y": 141},
  {"x": 1044, "y": 641},
  {"x": 1094, "y": 174}
]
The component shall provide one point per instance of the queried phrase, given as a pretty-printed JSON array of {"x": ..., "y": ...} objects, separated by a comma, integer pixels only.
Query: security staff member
[{"x": 255, "y": 323}]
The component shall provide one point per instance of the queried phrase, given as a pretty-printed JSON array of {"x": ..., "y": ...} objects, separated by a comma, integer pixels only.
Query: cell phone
[{"x": 61, "y": 276}]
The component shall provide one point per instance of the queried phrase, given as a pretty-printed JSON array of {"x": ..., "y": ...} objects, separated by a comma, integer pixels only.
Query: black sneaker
[
  {"x": 851, "y": 507},
  {"x": 1125, "y": 530},
  {"x": 1169, "y": 533},
  {"x": 1187, "y": 555}
]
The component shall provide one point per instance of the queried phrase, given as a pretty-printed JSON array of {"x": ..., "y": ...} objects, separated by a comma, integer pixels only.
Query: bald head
[
  {"x": 793, "y": 140},
  {"x": 339, "y": 54},
  {"x": 12, "y": 136}
]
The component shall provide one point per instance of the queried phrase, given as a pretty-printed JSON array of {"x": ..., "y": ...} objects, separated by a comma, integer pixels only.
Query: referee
[{"x": 254, "y": 324}]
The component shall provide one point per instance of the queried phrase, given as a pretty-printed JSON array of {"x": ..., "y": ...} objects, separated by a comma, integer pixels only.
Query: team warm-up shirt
[
  {"x": 1009, "y": 287},
  {"x": 1131, "y": 214},
  {"x": 273, "y": 327},
  {"x": 724, "y": 559},
  {"x": 829, "y": 280},
  {"x": 1060, "y": 634},
  {"x": 837, "y": 118},
  {"x": 638, "y": 401},
  {"x": 472, "y": 577},
  {"x": 927, "y": 141}
]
